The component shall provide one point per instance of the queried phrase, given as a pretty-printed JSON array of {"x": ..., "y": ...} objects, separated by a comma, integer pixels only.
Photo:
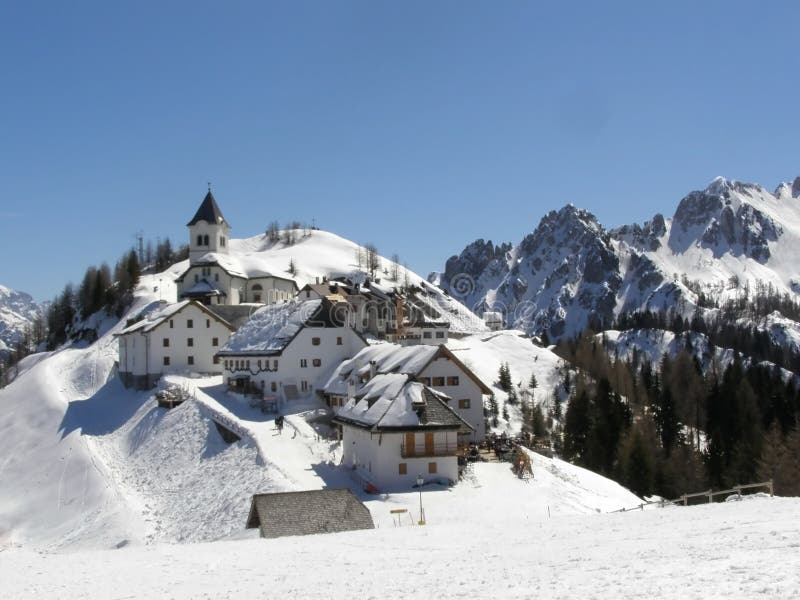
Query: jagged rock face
[
  {"x": 570, "y": 272},
  {"x": 643, "y": 237},
  {"x": 723, "y": 223},
  {"x": 17, "y": 309},
  {"x": 559, "y": 278}
]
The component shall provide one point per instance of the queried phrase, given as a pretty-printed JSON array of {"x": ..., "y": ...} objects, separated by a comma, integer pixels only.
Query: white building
[
  {"x": 395, "y": 429},
  {"x": 493, "y": 320},
  {"x": 170, "y": 338},
  {"x": 434, "y": 366},
  {"x": 215, "y": 276},
  {"x": 284, "y": 351}
]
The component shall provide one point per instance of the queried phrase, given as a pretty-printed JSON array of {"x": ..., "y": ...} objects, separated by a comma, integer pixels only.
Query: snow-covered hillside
[
  {"x": 746, "y": 549},
  {"x": 571, "y": 272},
  {"x": 17, "y": 311}
]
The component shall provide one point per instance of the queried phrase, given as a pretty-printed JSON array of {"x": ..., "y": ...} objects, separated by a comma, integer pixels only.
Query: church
[{"x": 215, "y": 276}]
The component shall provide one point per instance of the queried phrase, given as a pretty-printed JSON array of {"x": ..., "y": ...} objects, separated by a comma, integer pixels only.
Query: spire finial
[{"x": 209, "y": 187}]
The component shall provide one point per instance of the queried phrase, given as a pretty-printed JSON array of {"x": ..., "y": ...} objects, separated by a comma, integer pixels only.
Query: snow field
[{"x": 745, "y": 549}]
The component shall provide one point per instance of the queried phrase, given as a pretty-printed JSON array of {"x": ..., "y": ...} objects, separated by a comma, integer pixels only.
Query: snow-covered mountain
[
  {"x": 571, "y": 272},
  {"x": 17, "y": 310}
]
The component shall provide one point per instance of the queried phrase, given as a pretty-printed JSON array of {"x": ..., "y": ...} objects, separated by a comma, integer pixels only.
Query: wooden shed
[{"x": 304, "y": 513}]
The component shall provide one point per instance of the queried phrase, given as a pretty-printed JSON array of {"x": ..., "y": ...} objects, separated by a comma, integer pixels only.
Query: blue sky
[{"x": 418, "y": 126}]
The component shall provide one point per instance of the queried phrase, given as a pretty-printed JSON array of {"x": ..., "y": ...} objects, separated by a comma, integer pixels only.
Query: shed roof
[{"x": 304, "y": 513}]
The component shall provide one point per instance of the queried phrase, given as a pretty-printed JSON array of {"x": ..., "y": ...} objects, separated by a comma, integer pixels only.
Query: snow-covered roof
[
  {"x": 395, "y": 401},
  {"x": 204, "y": 287},
  {"x": 244, "y": 265},
  {"x": 388, "y": 358},
  {"x": 271, "y": 328},
  {"x": 153, "y": 315}
]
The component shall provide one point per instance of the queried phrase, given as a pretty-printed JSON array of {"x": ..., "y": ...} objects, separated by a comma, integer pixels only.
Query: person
[{"x": 279, "y": 423}]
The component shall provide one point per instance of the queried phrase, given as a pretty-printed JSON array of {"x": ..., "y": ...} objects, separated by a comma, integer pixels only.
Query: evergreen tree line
[
  {"x": 723, "y": 329},
  {"x": 156, "y": 256},
  {"x": 100, "y": 289},
  {"x": 670, "y": 429}
]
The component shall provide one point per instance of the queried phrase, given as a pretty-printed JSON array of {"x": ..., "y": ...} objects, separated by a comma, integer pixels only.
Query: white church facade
[{"x": 215, "y": 276}]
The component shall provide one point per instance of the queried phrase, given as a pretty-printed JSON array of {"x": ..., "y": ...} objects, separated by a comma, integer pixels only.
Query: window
[
  {"x": 438, "y": 381},
  {"x": 426, "y": 335},
  {"x": 339, "y": 341},
  {"x": 208, "y": 323},
  {"x": 196, "y": 277},
  {"x": 315, "y": 341},
  {"x": 440, "y": 334},
  {"x": 465, "y": 403},
  {"x": 425, "y": 380},
  {"x": 171, "y": 324},
  {"x": 215, "y": 342},
  {"x": 452, "y": 380},
  {"x": 199, "y": 240},
  {"x": 205, "y": 240},
  {"x": 257, "y": 298},
  {"x": 274, "y": 365},
  {"x": 166, "y": 361},
  {"x": 190, "y": 342},
  {"x": 402, "y": 468},
  {"x": 432, "y": 468},
  {"x": 303, "y": 363},
  {"x": 316, "y": 362},
  {"x": 258, "y": 363},
  {"x": 166, "y": 342},
  {"x": 189, "y": 323},
  {"x": 273, "y": 386},
  {"x": 216, "y": 276},
  {"x": 225, "y": 364},
  {"x": 222, "y": 241},
  {"x": 303, "y": 386},
  {"x": 216, "y": 359},
  {"x": 190, "y": 359}
]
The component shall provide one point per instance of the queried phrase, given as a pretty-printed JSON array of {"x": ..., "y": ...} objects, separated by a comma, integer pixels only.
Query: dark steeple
[{"x": 208, "y": 212}]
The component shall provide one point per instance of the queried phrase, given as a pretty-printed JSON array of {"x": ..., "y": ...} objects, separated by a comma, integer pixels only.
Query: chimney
[
  {"x": 317, "y": 280},
  {"x": 373, "y": 369},
  {"x": 351, "y": 389}
]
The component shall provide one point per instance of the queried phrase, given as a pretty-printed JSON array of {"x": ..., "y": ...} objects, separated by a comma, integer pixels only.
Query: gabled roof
[
  {"x": 208, "y": 212},
  {"x": 305, "y": 513},
  {"x": 156, "y": 313},
  {"x": 272, "y": 328},
  {"x": 395, "y": 402},
  {"x": 393, "y": 358}
]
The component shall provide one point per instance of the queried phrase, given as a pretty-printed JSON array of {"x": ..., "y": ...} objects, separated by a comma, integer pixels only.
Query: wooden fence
[{"x": 710, "y": 494}]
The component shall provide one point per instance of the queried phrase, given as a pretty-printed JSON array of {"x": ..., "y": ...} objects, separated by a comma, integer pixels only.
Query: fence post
[
  {"x": 710, "y": 496},
  {"x": 685, "y": 503},
  {"x": 738, "y": 490},
  {"x": 770, "y": 488}
]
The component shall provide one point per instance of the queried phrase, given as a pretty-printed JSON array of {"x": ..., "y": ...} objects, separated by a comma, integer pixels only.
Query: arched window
[
  {"x": 205, "y": 240},
  {"x": 199, "y": 240},
  {"x": 256, "y": 289},
  {"x": 222, "y": 241}
]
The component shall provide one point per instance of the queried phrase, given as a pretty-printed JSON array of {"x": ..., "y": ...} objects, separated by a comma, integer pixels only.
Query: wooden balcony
[{"x": 428, "y": 450}]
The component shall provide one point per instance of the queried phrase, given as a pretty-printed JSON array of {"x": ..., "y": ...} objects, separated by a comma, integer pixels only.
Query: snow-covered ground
[{"x": 747, "y": 549}]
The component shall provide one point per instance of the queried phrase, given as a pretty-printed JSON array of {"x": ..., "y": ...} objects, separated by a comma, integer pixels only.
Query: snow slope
[{"x": 746, "y": 549}]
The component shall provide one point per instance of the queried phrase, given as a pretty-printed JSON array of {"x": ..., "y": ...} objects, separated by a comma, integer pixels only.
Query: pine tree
[
  {"x": 533, "y": 383},
  {"x": 292, "y": 270}
]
